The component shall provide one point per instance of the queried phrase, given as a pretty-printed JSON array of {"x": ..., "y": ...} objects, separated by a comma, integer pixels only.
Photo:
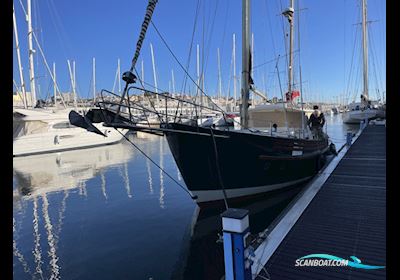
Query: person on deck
[{"x": 316, "y": 122}]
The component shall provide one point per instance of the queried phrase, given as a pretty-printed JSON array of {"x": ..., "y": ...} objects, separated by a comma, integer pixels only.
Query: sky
[{"x": 329, "y": 53}]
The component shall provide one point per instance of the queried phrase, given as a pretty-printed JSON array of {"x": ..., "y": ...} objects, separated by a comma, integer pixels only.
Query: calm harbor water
[{"x": 109, "y": 213}]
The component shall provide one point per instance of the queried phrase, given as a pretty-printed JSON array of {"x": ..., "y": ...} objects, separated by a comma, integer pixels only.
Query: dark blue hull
[{"x": 247, "y": 163}]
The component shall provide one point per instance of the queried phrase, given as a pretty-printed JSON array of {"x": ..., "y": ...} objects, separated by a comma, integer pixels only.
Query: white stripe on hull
[{"x": 217, "y": 194}]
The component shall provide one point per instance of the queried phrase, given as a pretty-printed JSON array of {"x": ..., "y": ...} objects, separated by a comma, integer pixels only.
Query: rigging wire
[
  {"x": 305, "y": 38},
  {"x": 218, "y": 170},
  {"x": 373, "y": 58},
  {"x": 177, "y": 60},
  {"x": 230, "y": 77},
  {"x": 150, "y": 159},
  {"x": 375, "y": 62},
  {"x": 344, "y": 47},
  {"x": 183, "y": 88},
  {"x": 90, "y": 88},
  {"x": 358, "y": 75},
  {"x": 272, "y": 39},
  {"x": 148, "y": 97},
  {"x": 224, "y": 33},
  {"x": 273, "y": 60},
  {"x": 201, "y": 78},
  {"x": 300, "y": 80},
  {"x": 280, "y": 87},
  {"x": 62, "y": 36},
  {"x": 23, "y": 7},
  {"x": 35, "y": 27},
  {"x": 355, "y": 77},
  {"x": 207, "y": 47},
  {"x": 284, "y": 37},
  {"x": 351, "y": 64}
]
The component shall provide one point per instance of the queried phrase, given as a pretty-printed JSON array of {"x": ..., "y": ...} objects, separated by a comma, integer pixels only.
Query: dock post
[
  {"x": 349, "y": 138},
  {"x": 235, "y": 225}
]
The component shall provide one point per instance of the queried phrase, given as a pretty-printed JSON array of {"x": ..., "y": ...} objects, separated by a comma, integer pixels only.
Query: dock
[{"x": 341, "y": 213}]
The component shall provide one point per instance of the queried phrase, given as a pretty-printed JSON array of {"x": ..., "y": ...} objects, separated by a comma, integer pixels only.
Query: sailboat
[
  {"x": 219, "y": 163},
  {"x": 364, "y": 110}
]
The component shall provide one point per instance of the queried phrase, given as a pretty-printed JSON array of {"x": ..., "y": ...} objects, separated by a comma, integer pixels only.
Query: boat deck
[{"x": 347, "y": 217}]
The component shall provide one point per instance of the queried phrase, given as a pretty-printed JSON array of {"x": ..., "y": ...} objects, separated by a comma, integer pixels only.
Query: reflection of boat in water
[
  {"x": 202, "y": 256},
  {"x": 45, "y": 173},
  {"x": 39, "y": 175},
  {"x": 48, "y": 216}
]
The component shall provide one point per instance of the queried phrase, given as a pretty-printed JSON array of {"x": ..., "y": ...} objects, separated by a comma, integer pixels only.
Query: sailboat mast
[
  {"x": 219, "y": 75},
  {"x": 290, "y": 18},
  {"x": 244, "y": 113},
  {"x": 21, "y": 76},
  {"x": 234, "y": 71},
  {"x": 301, "y": 81},
  {"x": 75, "y": 97},
  {"x": 94, "y": 80},
  {"x": 54, "y": 84},
  {"x": 173, "y": 81},
  {"x": 154, "y": 68},
  {"x": 365, "y": 48},
  {"x": 119, "y": 76},
  {"x": 71, "y": 75},
  {"x": 31, "y": 52},
  {"x": 252, "y": 63},
  {"x": 198, "y": 68}
]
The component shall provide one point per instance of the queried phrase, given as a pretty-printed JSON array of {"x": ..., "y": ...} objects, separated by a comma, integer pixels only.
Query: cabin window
[
  {"x": 21, "y": 128},
  {"x": 63, "y": 125}
]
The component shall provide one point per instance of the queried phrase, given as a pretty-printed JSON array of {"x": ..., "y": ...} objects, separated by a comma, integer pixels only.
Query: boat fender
[
  {"x": 332, "y": 149},
  {"x": 56, "y": 140}
]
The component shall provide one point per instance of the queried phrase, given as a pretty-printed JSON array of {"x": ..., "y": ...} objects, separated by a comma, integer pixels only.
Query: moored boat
[
  {"x": 220, "y": 162},
  {"x": 39, "y": 131}
]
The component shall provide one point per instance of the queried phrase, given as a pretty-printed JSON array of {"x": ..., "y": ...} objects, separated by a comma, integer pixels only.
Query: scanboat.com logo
[{"x": 329, "y": 260}]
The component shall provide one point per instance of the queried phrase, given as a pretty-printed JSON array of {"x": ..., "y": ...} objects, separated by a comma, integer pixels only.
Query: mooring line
[
  {"x": 218, "y": 170},
  {"x": 165, "y": 172}
]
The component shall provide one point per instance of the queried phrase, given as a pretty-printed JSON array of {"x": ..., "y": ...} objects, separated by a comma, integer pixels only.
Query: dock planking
[{"x": 347, "y": 217}]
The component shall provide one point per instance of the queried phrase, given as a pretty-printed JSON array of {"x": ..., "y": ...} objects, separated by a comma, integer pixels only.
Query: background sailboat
[{"x": 366, "y": 109}]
